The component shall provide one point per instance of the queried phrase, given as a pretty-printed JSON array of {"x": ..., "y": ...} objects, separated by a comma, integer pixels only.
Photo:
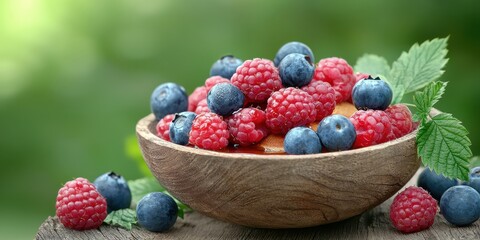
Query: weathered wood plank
[{"x": 374, "y": 224}]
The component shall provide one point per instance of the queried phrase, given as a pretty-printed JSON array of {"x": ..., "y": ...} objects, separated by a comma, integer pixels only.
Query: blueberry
[
  {"x": 292, "y": 47},
  {"x": 460, "y": 205},
  {"x": 225, "y": 66},
  {"x": 475, "y": 178},
  {"x": 168, "y": 98},
  {"x": 115, "y": 190},
  {"x": 336, "y": 133},
  {"x": 296, "y": 70},
  {"x": 157, "y": 212},
  {"x": 181, "y": 126},
  {"x": 224, "y": 99},
  {"x": 302, "y": 140},
  {"x": 372, "y": 93},
  {"x": 435, "y": 184}
]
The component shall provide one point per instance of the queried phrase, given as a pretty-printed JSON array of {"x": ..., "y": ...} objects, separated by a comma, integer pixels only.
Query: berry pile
[{"x": 242, "y": 103}]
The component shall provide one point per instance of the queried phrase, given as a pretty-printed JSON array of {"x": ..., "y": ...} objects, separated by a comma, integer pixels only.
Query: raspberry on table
[
  {"x": 339, "y": 74},
  {"x": 289, "y": 108},
  {"x": 324, "y": 98},
  {"x": 401, "y": 118},
  {"x": 212, "y": 81},
  {"x": 372, "y": 127},
  {"x": 247, "y": 126},
  {"x": 413, "y": 210},
  {"x": 202, "y": 107},
  {"x": 258, "y": 79},
  {"x": 197, "y": 95},
  {"x": 209, "y": 131},
  {"x": 80, "y": 206},
  {"x": 163, "y": 127}
]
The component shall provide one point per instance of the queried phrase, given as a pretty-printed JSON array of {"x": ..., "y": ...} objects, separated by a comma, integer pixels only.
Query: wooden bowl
[{"x": 279, "y": 191}]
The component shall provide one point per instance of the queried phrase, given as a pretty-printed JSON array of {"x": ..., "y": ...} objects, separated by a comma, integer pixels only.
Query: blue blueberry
[
  {"x": 296, "y": 70},
  {"x": 292, "y": 47},
  {"x": 302, "y": 140},
  {"x": 372, "y": 93},
  {"x": 225, "y": 66},
  {"x": 157, "y": 212},
  {"x": 336, "y": 133},
  {"x": 168, "y": 98},
  {"x": 435, "y": 184},
  {"x": 224, "y": 99},
  {"x": 115, "y": 190},
  {"x": 460, "y": 205},
  {"x": 475, "y": 178},
  {"x": 181, "y": 126}
]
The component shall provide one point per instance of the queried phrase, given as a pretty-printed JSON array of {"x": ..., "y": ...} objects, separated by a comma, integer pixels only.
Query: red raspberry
[
  {"x": 80, "y": 206},
  {"x": 324, "y": 98},
  {"x": 288, "y": 108},
  {"x": 202, "y": 107},
  {"x": 209, "y": 131},
  {"x": 258, "y": 79},
  {"x": 413, "y": 210},
  {"x": 247, "y": 126},
  {"x": 372, "y": 127},
  {"x": 339, "y": 74},
  {"x": 212, "y": 81},
  {"x": 197, "y": 95},
  {"x": 401, "y": 119},
  {"x": 163, "y": 127}
]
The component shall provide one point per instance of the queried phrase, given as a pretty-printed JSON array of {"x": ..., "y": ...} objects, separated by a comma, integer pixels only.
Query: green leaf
[
  {"x": 133, "y": 151},
  {"x": 421, "y": 65},
  {"x": 443, "y": 145},
  {"x": 142, "y": 187},
  {"x": 425, "y": 100},
  {"x": 124, "y": 218},
  {"x": 373, "y": 65}
]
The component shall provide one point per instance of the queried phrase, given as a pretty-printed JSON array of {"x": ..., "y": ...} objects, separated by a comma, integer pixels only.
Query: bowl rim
[{"x": 143, "y": 130}]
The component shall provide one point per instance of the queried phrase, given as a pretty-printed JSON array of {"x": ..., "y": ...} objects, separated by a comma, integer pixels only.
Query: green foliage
[
  {"x": 133, "y": 152},
  {"x": 124, "y": 218},
  {"x": 442, "y": 141},
  {"x": 373, "y": 65},
  {"x": 416, "y": 68}
]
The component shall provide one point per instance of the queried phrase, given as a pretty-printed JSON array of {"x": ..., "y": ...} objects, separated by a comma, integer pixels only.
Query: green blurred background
[{"x": 76, "y": 76}]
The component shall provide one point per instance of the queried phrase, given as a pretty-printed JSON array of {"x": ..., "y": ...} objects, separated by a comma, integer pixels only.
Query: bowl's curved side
[{"x": 279, "y": 191}]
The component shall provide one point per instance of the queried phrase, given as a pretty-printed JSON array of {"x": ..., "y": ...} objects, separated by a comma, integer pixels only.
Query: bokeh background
[{"x": 76, "y": 76}]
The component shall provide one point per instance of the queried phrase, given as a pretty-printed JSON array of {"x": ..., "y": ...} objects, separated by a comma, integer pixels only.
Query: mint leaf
[
  {"x": 142, "y": 187},
  {"x": 443, "y": 145},
  {"x": 373, "y": 65},
  {"x": 421, "y": 65},
  {"x": 124, "y": 218},
  {"x": 425, "y": 100}
]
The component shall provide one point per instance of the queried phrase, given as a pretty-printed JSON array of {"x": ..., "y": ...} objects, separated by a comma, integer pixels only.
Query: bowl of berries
[{"x": 281, "y": 144}]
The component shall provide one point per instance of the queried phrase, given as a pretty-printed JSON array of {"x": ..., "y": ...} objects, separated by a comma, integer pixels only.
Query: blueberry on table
[
  {"x": 435, "y": 184},
  {"x": 225, "y": 66},
  {"x": 181, "y": 126},
  {"x": 296, "y": 70},
  {"x": 372, "y": 93},
  {"x": 168, "y": 98},
  {"x": 302, "y": 140},
  {"x": 115, "y": 190},
  {"x": 292, "y": 47},
  {"x": 460, "y": 205},
  {"x": 336, "y": 133},
  {"x": 157, "y": 212}
]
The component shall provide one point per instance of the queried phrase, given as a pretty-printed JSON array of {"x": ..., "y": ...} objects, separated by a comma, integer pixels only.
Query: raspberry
[
  {"x": 339, "y": 74},
  {"x": 202, "y": 107},
  {"x": 401, "y": 119},
  {"x": 324, "y": 98},
  {"x": 247, "y": 126},
  {"x": 197, "y": 95},
  {"x": 289, "y": 108},
  {"x": 80, "y": 206},
  {"x": 212, "y": 81},
  {"x": 258, "y": 79},
  {"x": 163, "y": 127},
  {"x": 413, "y": 210},
  {"x": 209, "y": 131},
  {"x": 372, "y": 127}
]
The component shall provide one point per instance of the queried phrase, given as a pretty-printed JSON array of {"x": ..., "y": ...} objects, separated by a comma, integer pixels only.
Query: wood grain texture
[
  {"x": 279, "y": 191},
  {"x": 373, "y": 224}
]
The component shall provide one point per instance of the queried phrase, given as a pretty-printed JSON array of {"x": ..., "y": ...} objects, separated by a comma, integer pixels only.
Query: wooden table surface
[{"x": 373, "y": 224}]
